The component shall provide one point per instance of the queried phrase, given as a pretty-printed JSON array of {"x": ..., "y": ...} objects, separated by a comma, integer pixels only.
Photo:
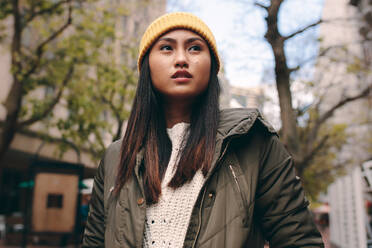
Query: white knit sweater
[{"x": 167, "y": 221}]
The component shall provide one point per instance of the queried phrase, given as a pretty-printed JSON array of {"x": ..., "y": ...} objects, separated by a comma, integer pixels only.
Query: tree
[
  {"x": 99, "y": 98},
  {"x": 100, "y": 95},
  {"x": 30, "y": 63},
  {"x": 311, "y": 144},
  {"x": 78, "y": 61}
]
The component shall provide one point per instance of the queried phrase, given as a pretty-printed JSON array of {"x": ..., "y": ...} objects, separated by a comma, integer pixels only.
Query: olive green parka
[{"x": 250, "y": 195}]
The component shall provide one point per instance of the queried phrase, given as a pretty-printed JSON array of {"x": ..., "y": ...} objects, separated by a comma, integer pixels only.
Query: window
[{"x": 55, "y": 201}]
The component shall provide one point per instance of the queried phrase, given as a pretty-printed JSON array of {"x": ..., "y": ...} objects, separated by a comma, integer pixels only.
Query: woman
[{"x": 185, "y": 173}]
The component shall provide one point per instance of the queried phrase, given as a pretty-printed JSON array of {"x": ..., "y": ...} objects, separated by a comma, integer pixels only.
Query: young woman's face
[{"x": 180, "y": 64}]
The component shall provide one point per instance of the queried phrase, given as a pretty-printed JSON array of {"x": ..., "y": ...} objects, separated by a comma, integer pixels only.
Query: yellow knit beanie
[{"x": 176, "y": 20}]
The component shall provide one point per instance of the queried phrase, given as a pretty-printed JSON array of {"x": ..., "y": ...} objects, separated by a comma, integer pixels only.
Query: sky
[{"x": 239, "y": 28}]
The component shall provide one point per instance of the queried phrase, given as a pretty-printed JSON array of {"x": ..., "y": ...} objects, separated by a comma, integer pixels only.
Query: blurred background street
[{"x": 68, "y": 76}]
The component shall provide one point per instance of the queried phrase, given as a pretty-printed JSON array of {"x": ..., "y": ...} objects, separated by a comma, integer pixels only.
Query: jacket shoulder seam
[{"x": 277, "y": 166}]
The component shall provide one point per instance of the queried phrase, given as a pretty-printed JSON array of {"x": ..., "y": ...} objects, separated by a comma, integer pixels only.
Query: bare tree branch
[
  {"x": 40, "y": 47},
  {"x": 324, "y": 52},
  {"x": 328, "y": 114},
  {"x": 314, "y": 25},
  {"x": 261, "y": 6},
  {"x": 302, "y": 30},
  {"x": 53, "y": 103},
  {"x": 51, "y": 139},
  {"x": 304, "y": 62},
  {"x": 46, "y": 10},
  {"x": 293, "y": 69}
]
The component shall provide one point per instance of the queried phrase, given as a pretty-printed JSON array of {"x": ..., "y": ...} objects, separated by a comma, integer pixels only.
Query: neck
[{"x": 176, "y": 112}]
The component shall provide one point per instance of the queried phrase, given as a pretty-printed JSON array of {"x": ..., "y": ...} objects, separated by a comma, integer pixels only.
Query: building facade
[{"x": 345, "y": 71}]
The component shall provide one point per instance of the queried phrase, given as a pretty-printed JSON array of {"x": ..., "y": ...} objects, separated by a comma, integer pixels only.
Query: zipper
[
  {"x": 199, "y": 217},
  {"x": 235, "y": 179},
  {"x": 223, "y": 154},
  {"x": 109, "y": 197},
  {"x": 245, "y": 205},
  {"x": 205, "y": 189}
]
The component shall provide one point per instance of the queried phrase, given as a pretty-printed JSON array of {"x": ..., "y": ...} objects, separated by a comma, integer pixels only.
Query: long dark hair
[{"x": 146, "y": 130}]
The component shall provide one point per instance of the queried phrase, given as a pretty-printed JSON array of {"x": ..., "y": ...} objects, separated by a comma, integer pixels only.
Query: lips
[{"x": 182, "y": 74}]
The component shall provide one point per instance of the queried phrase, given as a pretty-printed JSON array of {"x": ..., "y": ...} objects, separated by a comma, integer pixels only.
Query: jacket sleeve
[
  {"x": 95, "y": 228},
  {"x": 281, "y": 203}
]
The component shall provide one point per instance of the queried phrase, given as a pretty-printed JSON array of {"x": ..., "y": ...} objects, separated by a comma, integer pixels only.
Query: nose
[{"x": 181, "y": 59}]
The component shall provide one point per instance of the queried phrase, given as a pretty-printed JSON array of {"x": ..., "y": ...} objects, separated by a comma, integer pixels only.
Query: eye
[
  {"x": 195, "y": 48},
  {"x": 166, "y": 48}
]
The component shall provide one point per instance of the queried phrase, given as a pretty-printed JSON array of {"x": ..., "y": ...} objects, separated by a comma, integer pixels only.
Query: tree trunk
[
  {"x": 282, "y": 74},
  {"x": 12, "y": 105},
  {"x": 14, "y": 99}
]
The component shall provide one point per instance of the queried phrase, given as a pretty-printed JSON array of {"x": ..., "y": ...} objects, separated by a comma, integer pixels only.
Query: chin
[{"x": 182, "y": 95}]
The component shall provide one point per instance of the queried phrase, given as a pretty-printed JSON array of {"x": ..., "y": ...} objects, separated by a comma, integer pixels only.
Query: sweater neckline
[
  {"x": 178, "y": 125},
  {"x": 177, "y": 133}
]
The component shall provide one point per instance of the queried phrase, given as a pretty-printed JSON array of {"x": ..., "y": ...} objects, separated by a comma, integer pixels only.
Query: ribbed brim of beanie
[{"x": 176, "y": 20}]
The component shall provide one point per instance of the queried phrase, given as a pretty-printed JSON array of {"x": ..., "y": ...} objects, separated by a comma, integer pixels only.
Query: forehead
[{"x": 181, "y": 34}]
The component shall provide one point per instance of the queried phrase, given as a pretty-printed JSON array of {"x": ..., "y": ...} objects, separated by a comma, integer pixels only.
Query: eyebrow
[{"x": 190, "y": 40}]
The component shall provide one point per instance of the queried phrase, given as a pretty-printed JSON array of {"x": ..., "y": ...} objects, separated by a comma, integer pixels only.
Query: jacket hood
[
  {"x": 234, "y": 122},
  {"x": 238, "y": 121}
]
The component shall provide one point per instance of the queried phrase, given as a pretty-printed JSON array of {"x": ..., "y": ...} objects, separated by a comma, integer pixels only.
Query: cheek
[
  {"x": 156, "y": 68},
  {"x": 204, "y": 70},
  {"x": 153, "y": 65}
]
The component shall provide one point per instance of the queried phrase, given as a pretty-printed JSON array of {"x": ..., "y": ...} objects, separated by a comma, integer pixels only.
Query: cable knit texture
[{"x": 167, "y": 221}]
